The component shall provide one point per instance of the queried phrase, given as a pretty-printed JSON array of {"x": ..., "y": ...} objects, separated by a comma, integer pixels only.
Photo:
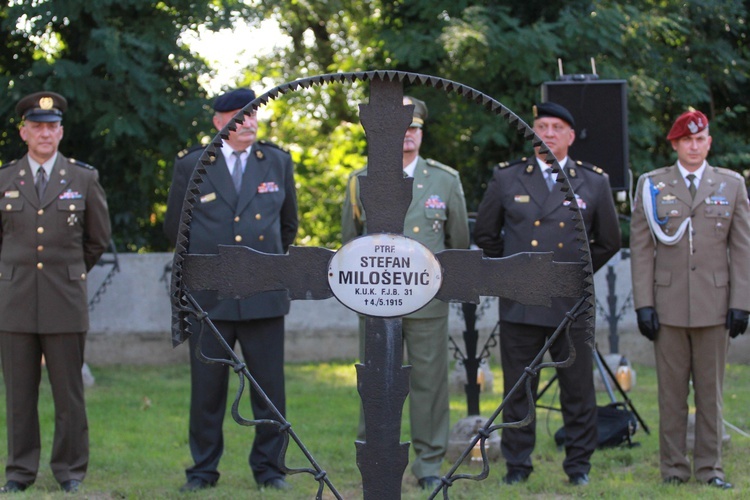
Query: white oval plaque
[{"x": 384, "y": 275}]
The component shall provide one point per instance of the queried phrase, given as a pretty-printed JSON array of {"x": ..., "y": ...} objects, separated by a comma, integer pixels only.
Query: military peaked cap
[{"x": 42, "y": 107}]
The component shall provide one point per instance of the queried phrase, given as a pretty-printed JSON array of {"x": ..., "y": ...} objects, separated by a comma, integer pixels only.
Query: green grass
[{"x": 138, "y": 425}]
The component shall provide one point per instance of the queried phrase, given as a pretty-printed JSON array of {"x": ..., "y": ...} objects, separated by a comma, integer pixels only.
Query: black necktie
[
  {"x": 237, "y": 172},
  {"x": 691, "y": 186},
  {"x": 40, "y": 181}
]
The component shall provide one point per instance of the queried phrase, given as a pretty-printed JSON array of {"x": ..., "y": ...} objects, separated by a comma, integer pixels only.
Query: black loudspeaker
[{"x": 600, "y": 110}]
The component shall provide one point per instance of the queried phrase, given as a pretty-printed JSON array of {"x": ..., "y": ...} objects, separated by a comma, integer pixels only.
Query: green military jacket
[{"x": 436, "y": 217}]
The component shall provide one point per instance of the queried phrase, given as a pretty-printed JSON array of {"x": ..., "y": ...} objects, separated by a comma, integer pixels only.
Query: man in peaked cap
[
  {"x": 524, "y": 210},
  {"x": 54, "y": 227},
  {"x": 247, "y": 198},
  {"x": 436, "y": 218},
  {"x": 690, "y": 253}
]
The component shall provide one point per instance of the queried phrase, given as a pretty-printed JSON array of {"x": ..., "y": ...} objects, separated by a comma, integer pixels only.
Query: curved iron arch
[{"x": 184, "y": 306}]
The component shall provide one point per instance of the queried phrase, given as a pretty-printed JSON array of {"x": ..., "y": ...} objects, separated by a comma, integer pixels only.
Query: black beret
[
  {"x": 233, "y": 100},
  {"x": 554, "y": 110},
  {"x": 42, "y": 107}
]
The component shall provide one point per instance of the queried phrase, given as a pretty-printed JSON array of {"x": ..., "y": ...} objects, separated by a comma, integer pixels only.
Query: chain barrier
[{"x": 97, "y": 297}]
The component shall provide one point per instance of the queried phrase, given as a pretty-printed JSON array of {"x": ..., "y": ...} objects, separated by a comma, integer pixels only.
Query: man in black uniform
[
  {"x": 247, "y": 198},
  {"x": 523, "y": 210}
]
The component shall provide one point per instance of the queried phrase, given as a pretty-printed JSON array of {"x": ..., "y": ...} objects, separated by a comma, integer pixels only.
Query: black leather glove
[
  {"x": 648, "y": 322},
  {"x": 736, "y": 322}
]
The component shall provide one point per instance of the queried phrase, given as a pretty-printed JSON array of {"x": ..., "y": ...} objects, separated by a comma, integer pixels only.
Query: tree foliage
[{"x": 136, "y": 98}]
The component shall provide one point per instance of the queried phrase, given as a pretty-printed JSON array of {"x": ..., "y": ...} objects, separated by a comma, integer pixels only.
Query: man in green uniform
[
  {"x": 436, "y": 218},
  {"x": 54, "y": 227}
]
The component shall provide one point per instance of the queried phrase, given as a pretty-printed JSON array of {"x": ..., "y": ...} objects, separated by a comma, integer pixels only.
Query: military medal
[{"x": 434, "y": 201}]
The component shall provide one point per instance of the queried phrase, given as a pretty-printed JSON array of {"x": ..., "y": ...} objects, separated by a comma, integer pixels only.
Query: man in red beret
[{"x": 690, "y": 248}]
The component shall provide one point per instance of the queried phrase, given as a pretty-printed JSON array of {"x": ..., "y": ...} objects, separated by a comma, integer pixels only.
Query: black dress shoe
[
  {"x": 71, "y": 486},
  {"x": 277, "y": 483},
  {"x": 196, "y": 484},
  {"x": 579, "y": 479},
  {"x": 515, "y": 477},
  {"x": 13, "y": 487},
  {"x": 720, "y": 483},
  {"x": 429, "y": 482}
]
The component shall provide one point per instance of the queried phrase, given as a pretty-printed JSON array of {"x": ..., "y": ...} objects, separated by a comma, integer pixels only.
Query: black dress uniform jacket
[
  {"x": 263, "y": 217},
  {"x": 520, "y": 214}
]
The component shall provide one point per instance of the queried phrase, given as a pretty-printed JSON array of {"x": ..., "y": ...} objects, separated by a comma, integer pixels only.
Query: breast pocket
[
  {"x": 436, "y": 217},
  {"x": 71, "y": 211},
  {"x": 6, "y": 271},
  {"x": 720, "y": 217},
  {"x": 12, "y": 209}
]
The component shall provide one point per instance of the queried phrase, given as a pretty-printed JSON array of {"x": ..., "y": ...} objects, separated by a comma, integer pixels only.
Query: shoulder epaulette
[
  {"x": 507, "y": 164},
  {"x": 656, "y": 171},
  {"x": 189, "y": 150},
  {"x": 590, "y": 166},
  {"x": 358, "y": 172},
  {"x": 442, "y": 166},
  {"x": 728, "y": 171},
  {"x": 273, "y": 145},
  {"x": 80, "y": 164},
  {"x": 6, "y": 165}
]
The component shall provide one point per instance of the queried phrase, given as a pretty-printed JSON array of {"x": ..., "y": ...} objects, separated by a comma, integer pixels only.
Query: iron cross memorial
[{"x": 355, "y": 274}]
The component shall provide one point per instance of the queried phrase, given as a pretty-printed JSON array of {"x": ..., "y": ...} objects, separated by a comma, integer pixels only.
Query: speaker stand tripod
[{"x": 608, "y": 378}]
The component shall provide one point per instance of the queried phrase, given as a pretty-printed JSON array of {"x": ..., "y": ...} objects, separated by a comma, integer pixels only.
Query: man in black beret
[
  {"x": 247, "y": 198},
  {"x": 524, "y": 210},
  {"x": 54, "y": 226}
]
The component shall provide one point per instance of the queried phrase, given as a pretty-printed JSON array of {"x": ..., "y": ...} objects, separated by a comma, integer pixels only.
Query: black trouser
[
  {"x": 262, "y": 345},
  {"x": 519, "y": 345}
]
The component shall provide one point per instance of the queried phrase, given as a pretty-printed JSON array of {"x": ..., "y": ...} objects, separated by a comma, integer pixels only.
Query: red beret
[{"x": 689, "y": 123}]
